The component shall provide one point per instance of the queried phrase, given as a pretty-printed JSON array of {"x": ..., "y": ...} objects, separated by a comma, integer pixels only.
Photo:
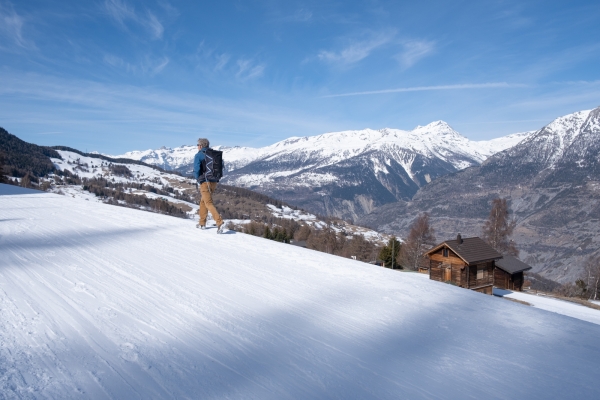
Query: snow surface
[
  {"x": 98, "y": 301},
  {"x": 554, "y": 305}
]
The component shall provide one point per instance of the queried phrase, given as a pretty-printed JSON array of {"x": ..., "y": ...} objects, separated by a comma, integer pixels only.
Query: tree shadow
[
  {"x": 10, "y": 190},
  {"x": 332, "y": 347},
  {"x": 26, "y": 243}
]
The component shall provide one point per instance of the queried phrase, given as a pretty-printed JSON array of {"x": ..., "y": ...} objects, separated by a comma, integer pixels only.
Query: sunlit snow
[{"x": 98, "y": 301}]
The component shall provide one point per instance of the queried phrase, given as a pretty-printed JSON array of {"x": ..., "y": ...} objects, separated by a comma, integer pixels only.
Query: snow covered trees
[
  {"x": 420, "y": 238},
  {"x": 498, "y": 228}
]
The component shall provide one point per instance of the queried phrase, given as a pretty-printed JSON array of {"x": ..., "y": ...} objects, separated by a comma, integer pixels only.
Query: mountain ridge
[
  {"x": 552, "y": 182},
  {"x": 344, "y": 174}
]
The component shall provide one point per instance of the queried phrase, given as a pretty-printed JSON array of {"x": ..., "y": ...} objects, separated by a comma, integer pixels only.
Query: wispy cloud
[
  {"x": 129, "y": 110},
  {"x": 122, "y": 12},
  {"x": 11, "y": 27},
  {"x": 148, "y": 65},
  {"x": 357, "y": 50},
  {"x": 414, "y": 51},
  {"x": 222, "y": 60},
  {"x": 493, "y": 85},
  {"x": 247, "y": 70}
]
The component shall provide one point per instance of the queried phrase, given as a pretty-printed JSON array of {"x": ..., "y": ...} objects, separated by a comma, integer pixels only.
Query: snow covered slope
[
  {"x": 346, "y": 173},
  {"x": 98, "y": 301}
]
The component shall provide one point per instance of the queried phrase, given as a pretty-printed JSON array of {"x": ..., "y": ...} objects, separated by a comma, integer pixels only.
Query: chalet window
[
  {"x": 482, "y": 273},
  {"x": 445, "y": 252}
]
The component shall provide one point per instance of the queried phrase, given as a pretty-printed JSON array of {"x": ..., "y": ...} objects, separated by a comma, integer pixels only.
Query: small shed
[
  {"x": 465, "y": 262},
  {"x": 508, "y": 273},
  {"x": 299, "y": 243}
]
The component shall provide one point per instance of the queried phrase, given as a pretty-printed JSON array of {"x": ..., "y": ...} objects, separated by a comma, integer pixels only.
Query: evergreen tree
[
  {"x": 389, "y": 253},
  {"x": 498, "y": 228},
  {"x": 2, "y": 175},
  {"x": 267, "y": 233}
]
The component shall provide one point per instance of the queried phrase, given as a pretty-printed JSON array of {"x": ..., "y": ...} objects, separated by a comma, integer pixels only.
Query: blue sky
[{"x": 118, "y": 75}]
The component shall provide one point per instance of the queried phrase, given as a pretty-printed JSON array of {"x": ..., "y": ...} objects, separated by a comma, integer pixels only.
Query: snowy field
[
  {"x": 99, "y": 301},
  {"x": 554, "y": 305}
]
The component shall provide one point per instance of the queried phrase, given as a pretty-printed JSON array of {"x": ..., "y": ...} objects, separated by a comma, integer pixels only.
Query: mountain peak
[{"x": 439, "y": 126}]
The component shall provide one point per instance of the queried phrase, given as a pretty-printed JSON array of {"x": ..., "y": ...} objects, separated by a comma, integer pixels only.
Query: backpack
[{"x": 212, "y": 165}]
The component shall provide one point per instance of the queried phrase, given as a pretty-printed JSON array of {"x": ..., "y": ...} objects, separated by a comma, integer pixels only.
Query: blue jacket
[
  {"x": 198, "y": 158},
  {"x": 198, "y": 173}
]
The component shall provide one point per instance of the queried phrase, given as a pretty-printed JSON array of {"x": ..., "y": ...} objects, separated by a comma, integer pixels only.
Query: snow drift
[{"x": 100, "y": 301}]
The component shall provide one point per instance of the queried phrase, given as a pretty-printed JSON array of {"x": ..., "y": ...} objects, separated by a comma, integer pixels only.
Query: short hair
[{"x": 203, "y": 142}]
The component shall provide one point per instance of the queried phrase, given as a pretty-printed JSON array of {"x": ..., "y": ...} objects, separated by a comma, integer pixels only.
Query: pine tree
[
  {"x": 389, "y": 253},
  {"x": 267, "y": 233},
  {"x": 420, "y": 238},
  {"x": 2, "y": 175},
  {"x": 498, "y": 228}
]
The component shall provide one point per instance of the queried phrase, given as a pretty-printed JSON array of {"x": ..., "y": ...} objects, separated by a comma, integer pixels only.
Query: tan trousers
[{"x": 206, "y": 204}]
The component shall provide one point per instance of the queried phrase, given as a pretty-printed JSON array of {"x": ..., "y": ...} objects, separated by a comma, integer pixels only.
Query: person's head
[{"x": 202, "y": 143}]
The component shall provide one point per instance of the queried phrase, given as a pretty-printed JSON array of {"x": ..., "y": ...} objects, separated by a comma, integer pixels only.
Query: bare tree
[
  {"x": 591, "y": 276},
  {"x": 420, "y": 238},
  {"x": 499, "y": 227}
]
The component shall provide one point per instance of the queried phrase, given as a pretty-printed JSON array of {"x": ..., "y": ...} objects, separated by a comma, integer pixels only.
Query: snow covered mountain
[
  {"x": 552, "y": 179},
  {"x": 98, "y": 301},
  {"x": 344, "y": 174}
]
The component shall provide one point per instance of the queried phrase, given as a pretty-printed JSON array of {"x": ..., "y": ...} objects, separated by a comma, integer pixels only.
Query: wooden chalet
[
  {"x": 508, "y": 273},
  {"x": 468, "y": 263}
]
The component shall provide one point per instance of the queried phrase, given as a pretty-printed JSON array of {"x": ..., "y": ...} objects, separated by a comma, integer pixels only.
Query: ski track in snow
[{"x": 99, "y": 301}]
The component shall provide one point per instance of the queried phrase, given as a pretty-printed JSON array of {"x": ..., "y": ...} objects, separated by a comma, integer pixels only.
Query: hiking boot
[
  {"x": 200, "y": 226},
  {"x": 221, "y": 228}
]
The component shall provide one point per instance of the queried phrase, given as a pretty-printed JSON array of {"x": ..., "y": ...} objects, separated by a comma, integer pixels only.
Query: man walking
[{"x": 207, "y": 187}]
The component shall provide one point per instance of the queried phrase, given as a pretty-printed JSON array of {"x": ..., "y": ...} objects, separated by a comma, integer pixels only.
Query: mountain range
[
  {"x": 552, "y": 181},
  {"x": 343, "y": 174}
]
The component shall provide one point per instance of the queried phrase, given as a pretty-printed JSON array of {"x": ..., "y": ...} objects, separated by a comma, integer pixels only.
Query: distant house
[
  {"x": 299, "y": 243},
  {"x": 468, "y": 263},
  {"x": 508, "y": 273}
]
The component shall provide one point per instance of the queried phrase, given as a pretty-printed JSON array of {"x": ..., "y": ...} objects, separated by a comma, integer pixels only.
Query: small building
[
  {"x": 299, "y": 243},
  {"x": 508, "y": 273},
  {"x": 468, "y": 263}
]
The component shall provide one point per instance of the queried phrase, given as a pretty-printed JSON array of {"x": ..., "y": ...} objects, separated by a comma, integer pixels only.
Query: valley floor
[{"x": 98, "y": 301}]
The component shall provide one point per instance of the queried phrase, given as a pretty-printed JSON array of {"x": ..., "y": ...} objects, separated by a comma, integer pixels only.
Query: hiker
[{"x": 207, "y": 187}]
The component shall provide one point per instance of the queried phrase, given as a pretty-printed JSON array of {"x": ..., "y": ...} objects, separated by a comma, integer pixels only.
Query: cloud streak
[
  {"x": 355, "y": 51},
  {"x": 11, "y": 27},
  {"x": 414, "y": 51},
  {"x": 148, "y": 65},
  {"x": 247, "y": 71},
  {"x": 465, "y": 86},
  {"x": 122, "y": 12}
]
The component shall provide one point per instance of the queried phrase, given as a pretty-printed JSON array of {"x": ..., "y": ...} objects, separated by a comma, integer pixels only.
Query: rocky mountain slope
[
  {"x": 344, "y": 174},
  {"x": 552, "y": 179}
]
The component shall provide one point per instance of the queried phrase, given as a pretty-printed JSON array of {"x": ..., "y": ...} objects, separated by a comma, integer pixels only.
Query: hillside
[
  {"x": 108, "y": 302},
  {"x": 343, "y": 174},
  {"x": 552, "y": 180},
  {"x": 22, "y": 158},
  {"x": 135, "y": 184}
]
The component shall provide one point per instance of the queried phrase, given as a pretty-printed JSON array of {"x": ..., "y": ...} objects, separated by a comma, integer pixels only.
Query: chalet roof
[
  {"x": 470, "y": 250},
  {"x": 512, "y": 265}
]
